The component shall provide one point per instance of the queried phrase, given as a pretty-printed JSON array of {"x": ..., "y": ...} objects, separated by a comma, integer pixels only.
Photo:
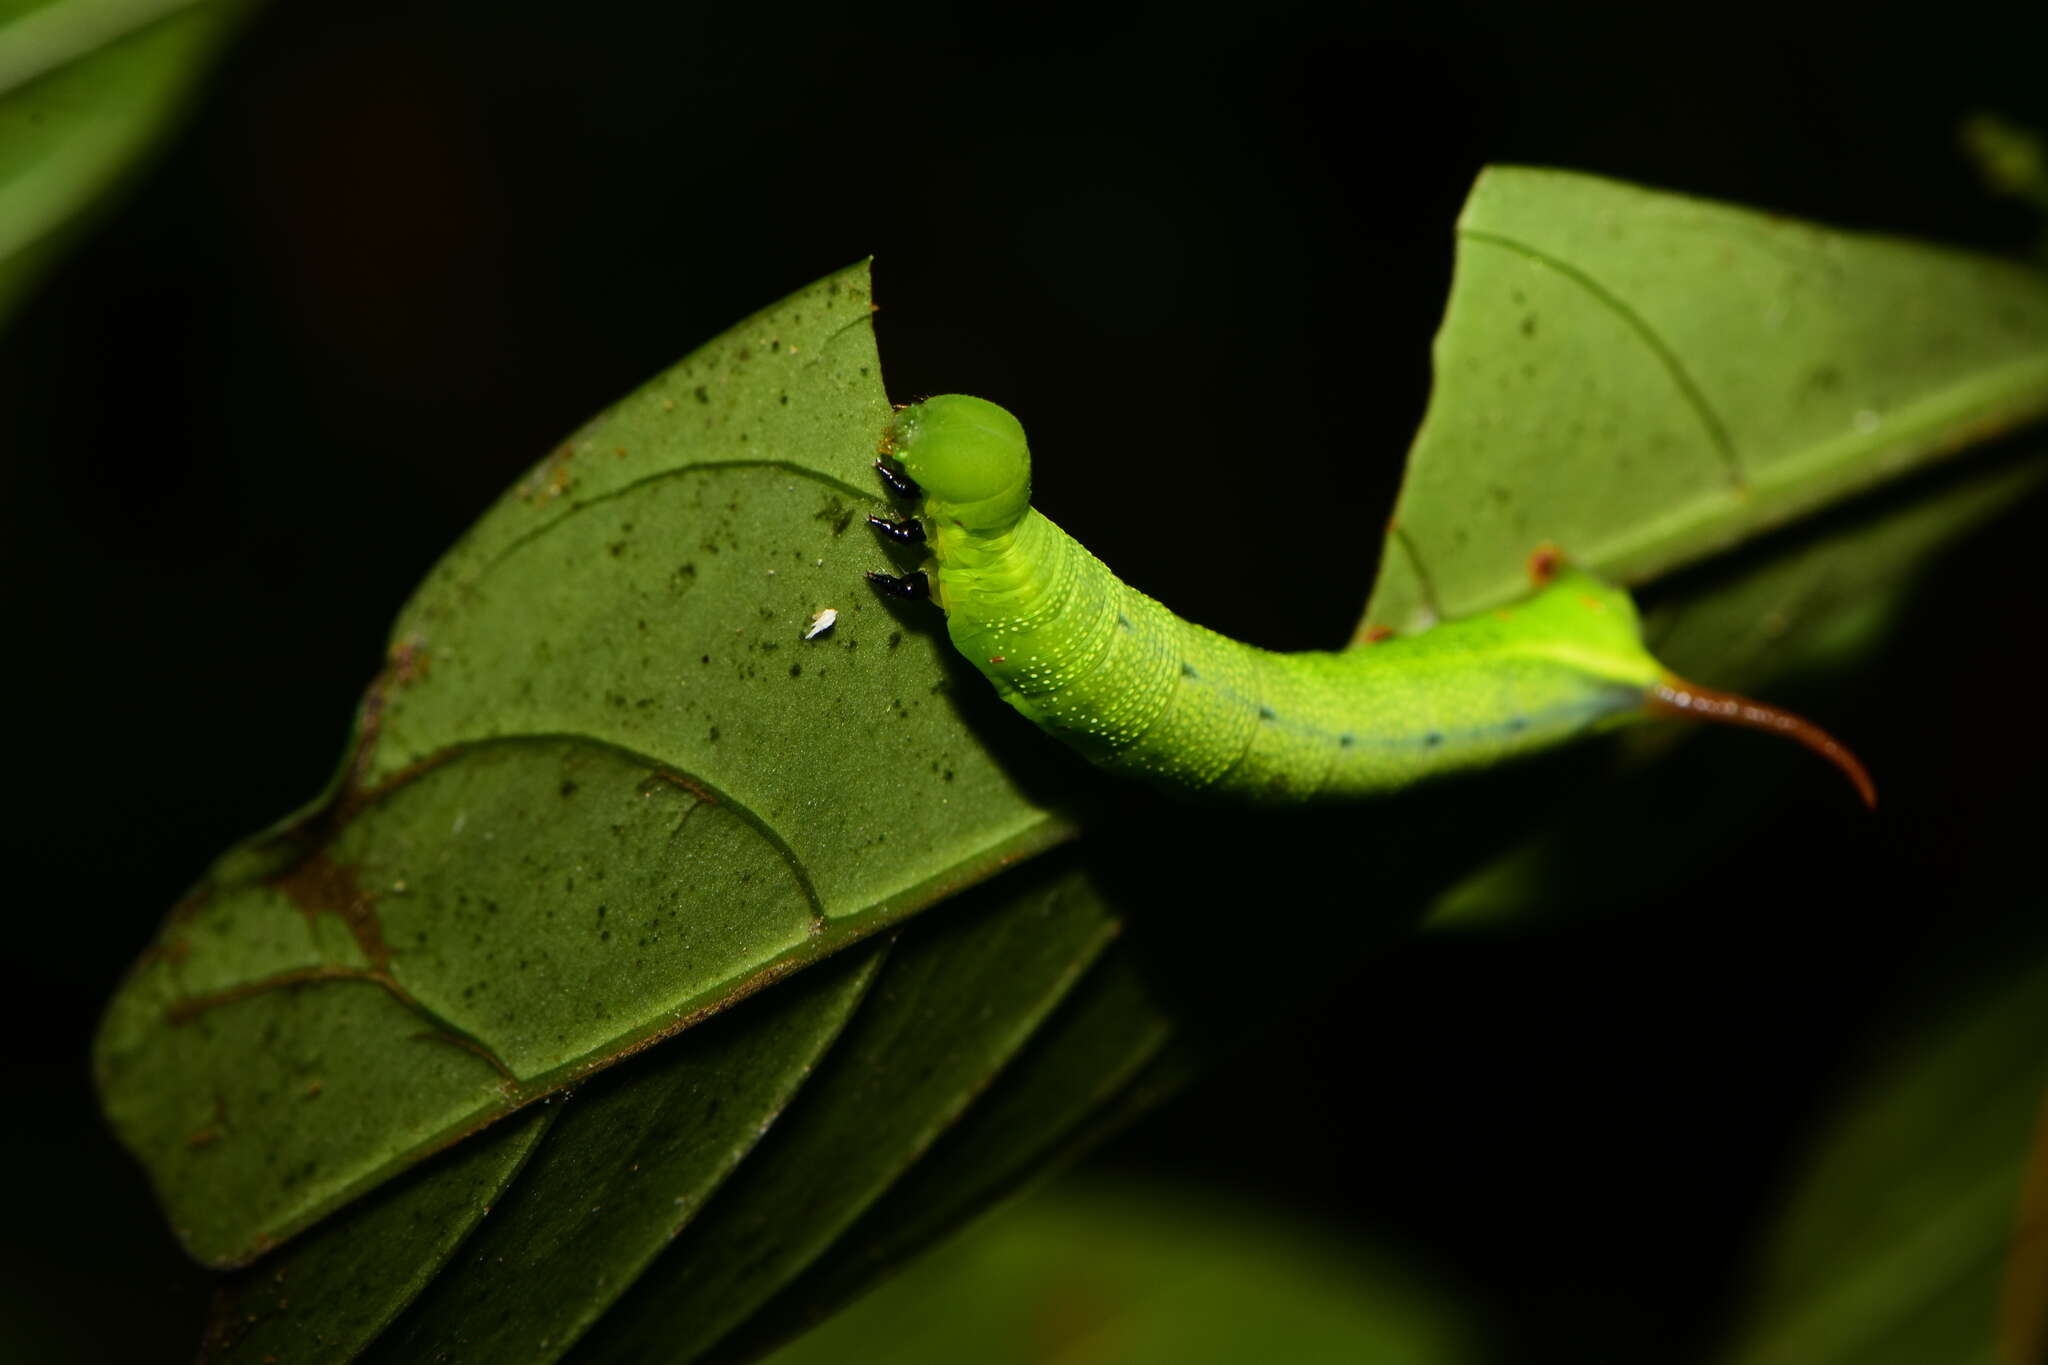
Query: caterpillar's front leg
[
  {"x": 901, "y": 484},
  {"x": 909, "y": 531},
  {"x": 915, "y": 586}
]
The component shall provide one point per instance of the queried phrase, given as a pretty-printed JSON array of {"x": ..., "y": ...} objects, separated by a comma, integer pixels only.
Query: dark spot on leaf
[
  {"x": 835, "y": 514},
  {"x": 714, "y": 734},
  {"x": 1346, "y": 741},
  {"x": 706, "y": 659},
  {"x": 703, "y": 394},
  {"x": 1187, "y": 670},
  {"x": 796, "y": 670},
  {"x": 1123, "y": 621},
  {"x": 1433, "y": 738},
  {"x": 1529, "y": 325},
  {"x": 568, "y": 787},
  {"x": 895, "y": 638}
]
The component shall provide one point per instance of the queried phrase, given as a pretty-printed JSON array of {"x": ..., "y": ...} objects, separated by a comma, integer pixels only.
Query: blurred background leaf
[
  {"x": 1915, "y": 1231},
  {"x": 87, "y": 87},
  {"x": 1085, "y": 1271}
]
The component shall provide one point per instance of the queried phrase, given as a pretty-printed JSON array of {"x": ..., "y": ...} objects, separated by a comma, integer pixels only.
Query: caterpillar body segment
[{"x": 1139, "y": 691}]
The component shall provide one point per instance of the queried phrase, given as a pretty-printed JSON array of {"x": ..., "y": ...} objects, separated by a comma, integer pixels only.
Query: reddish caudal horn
[{"x": 1678, "y": 697}]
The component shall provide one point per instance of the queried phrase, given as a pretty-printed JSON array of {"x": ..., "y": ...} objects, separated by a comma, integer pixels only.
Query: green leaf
[
  {"x": 1918, "y": 1231},
  {"x": 327, "y": 1296},
  {"x": 85, "y": 87},
  {"x": 604, "y": 787},
  {"x": 1643, "y": 379},
  {"x": 617, "y": 1236},
  {"x": 873, "y": 1063},
  {"x": 1098, "y": 1062},
  {"x": 1089, "y": 1272}
]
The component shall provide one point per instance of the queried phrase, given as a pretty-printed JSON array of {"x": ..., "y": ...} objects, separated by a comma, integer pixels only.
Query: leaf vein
[{"x": 1695, "y": 397}]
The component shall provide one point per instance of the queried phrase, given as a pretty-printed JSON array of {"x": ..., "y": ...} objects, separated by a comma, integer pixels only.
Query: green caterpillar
[{"x": 1140, "y": 691}]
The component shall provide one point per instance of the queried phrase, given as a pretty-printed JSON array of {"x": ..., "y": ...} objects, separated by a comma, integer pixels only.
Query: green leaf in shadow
[
  {"x": 644, "y": 1146},
  {"x": 85, "y": 87},
  {"x": 630, "y": 1195},
  {"x": 325, "y": 1297},
  {"x": 948, "y": 1018},
  {"x": 1100, "y": 1060},
  {"x": 1084, "y": 1272},
  {"x": 1917, "y": 1232}
]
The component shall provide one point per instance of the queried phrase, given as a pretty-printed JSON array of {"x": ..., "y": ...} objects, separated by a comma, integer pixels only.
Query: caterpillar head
[{"x": 970, "y": 458}]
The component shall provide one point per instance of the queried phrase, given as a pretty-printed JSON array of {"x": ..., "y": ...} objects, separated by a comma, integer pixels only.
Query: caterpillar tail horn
[{"x": 1678, "y": 697}]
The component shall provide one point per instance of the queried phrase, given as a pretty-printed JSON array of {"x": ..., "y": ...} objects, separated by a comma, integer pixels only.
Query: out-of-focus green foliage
[
  {"x": 1919, "y": 1230},
  {"x": 86, "y": 86},
  {"x": 1089, "y": 1273}
]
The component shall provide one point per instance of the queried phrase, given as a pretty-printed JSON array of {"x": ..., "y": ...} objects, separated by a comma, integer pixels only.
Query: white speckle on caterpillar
[{"x": 822, "y": 620}]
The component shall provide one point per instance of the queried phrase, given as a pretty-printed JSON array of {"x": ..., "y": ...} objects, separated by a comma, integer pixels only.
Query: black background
[{"x": 398, "y": 250}]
